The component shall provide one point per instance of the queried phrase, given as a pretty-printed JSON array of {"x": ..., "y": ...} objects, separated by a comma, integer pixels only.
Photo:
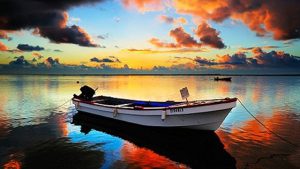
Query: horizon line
[{"x": 152, "y": 74}]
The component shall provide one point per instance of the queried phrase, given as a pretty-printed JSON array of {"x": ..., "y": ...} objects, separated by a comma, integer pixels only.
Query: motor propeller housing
[{"x": 87, "y": 93}]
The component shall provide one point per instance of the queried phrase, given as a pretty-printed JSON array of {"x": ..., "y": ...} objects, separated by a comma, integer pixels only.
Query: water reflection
[
  {"x": 250, "y": 141},
  {"x": 62, "y": 153},
  {"x": 24, "y": 122},
  {"x": 19, "y": 138},
  {"x": 195, "y": 149},
  {"x": 12, "y": 164},
  {"x": 141, "y": 157}
]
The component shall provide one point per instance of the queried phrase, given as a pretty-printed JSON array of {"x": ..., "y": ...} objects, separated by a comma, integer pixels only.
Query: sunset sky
[{"x": 136, "y": 36}]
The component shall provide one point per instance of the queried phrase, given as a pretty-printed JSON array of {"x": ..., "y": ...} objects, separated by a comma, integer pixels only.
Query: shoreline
[{"x": 150, "y": 74}]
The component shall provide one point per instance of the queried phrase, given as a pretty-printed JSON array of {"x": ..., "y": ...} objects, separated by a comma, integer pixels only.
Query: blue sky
[{"x": 124, "y": 28}]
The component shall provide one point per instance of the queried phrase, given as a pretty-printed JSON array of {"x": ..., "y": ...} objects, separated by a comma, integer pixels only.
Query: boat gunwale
[{"x": 221, "y": 101}]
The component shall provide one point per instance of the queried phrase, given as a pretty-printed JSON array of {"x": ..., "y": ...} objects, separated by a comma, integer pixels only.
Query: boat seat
[
  {"x": 98, "y": 101},
  {"x": 153, "y": 104}
]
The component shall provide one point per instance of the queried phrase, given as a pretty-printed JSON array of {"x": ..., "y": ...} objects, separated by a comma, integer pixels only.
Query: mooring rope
[
  {"x": 269, "y": 130},
  {"x": 53, "y": 108}
]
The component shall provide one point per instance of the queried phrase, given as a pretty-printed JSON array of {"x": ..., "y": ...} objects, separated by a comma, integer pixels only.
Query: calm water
[{"x": 36, "y": 132}]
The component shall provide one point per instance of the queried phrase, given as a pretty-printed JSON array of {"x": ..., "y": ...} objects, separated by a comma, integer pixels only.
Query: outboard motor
[{"x": 87, "y": 93}]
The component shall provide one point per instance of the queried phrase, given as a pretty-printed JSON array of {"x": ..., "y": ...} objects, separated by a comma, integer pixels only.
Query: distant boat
[
  {"x": 198, "y": 114},
  {"x": 223, "y": 79}
]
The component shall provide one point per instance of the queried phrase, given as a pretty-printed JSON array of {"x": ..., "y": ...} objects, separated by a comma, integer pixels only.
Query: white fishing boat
[{"x": 198, "y": 114}]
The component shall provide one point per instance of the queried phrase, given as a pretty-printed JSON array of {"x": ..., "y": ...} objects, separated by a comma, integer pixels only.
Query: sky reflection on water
[{"x": 26, "y": 125}]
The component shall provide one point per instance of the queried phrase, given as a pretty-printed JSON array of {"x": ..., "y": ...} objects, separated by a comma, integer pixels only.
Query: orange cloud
[
  {"x": 257, "y": 50},
  {"x": 224, "y": 59},
  {"x": 235, "y": 59},
  {"x": 278, "y": 17},
  {"x": 171, "y": 20},
  {"x": 156, "y": 42},
  {"x": 144, "y": 5},
  {"x": 183, "y": 50},
  {"x": 38, "y": 55},
  {"x": 182, "y": 39},
  {"x": 3, "y": 47},
  {"x": 188, "y": 65},
  {"x": 281, "y": 18},
  {"x": 209, "y": 36},
  {"x": 201, "y": 8}
]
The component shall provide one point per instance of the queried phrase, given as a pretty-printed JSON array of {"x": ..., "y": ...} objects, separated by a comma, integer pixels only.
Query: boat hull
[{"x": 200, "y": 118}]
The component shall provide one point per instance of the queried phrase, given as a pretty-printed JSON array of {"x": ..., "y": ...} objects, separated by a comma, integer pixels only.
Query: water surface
[{"x": 38, "y": 131}]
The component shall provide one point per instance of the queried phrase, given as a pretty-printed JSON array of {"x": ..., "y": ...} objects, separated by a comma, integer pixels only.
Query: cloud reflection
[{"x": 251, "y": 142}]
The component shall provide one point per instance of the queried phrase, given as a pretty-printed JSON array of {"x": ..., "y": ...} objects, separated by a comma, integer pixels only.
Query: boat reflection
[
  {"x": 62, "y": 153},
  {"x": 196, "y": 149}
]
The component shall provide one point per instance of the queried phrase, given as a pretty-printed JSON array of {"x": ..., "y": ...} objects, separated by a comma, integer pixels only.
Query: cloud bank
[
  {"x": 259, "y": 59},
  {"x": 273, "y": 62}
]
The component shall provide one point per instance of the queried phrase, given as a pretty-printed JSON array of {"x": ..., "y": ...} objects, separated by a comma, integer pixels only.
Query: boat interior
[
  {"x": 88, "y": 93},
  {"x": 131, "y": 103}
]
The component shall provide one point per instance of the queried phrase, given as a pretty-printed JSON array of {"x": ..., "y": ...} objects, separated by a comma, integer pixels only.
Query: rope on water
[
  {"x": 53, "y": 108},
  {"x": 269, "y": 130}
]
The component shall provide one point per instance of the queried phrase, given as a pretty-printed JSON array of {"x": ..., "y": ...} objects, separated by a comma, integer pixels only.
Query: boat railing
[
  {"x": 199, "y": 102},
  {"x": 124, "y": 105}
]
